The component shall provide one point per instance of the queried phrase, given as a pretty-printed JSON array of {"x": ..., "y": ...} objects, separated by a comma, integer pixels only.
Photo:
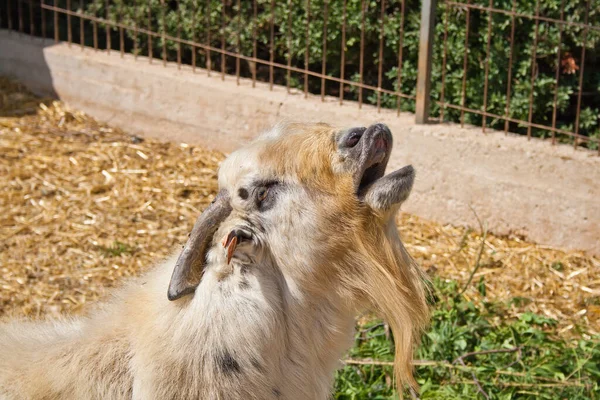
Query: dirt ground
[{"x": 84, "y": 206}]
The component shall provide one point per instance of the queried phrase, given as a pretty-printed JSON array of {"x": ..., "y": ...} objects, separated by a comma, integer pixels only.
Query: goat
[{"x": 260, "y": 303}]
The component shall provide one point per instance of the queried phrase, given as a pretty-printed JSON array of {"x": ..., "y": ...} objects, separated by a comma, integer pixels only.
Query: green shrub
[
  {"x": 543, "y": 367},
  {"x": 195, "y": 20}
]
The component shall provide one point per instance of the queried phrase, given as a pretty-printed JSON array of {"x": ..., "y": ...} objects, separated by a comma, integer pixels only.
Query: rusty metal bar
[
  {"x": 121, "y": 36},
  {"x": 223, "y": 40},
  {"x": 289, "y": 44},
  {"x": 43, "y": 13},
  {"x": 324, "y": 56},
  {"x": 164, "y": 32},
  {"x": 208, "y": 41},
  {"x": 380, "y": 59},
  {"x": 306, "y": 51},
  {"x": 557, "y": 77},
  {"x": 178, "y": 34},
  {"x": 20, "y": 16},
  {"x": 237, "y": 44},
  {"x": 95, "y": 26},
  {"x": 194, "y": 11},
  {"x": 343, "y": 55},
  {"x": 425, "y": 59},
  {"x": 9, "y": 12},
  {"x": 69, "y": 26},
  {"x": 582, "y": 65},
  {"x": 55, "y": 23},
  {"x": 363, "y": 11},
  {"x": 444, "y": 60},
  {"x": 465, "y": 64},
  {"x": 487, "y": 67},
  {"x": 31, "y": 23},
  {"x": 107, "y": 28},
  {"x": 150, "y": 49},
  {"x": 510, "y": 65},
  {"x": 533, "y": 69},
  {"x": 400, "y": 55},
  {"x": 81, "y": 27},
  {"x": 468, "y": 5},
  {"x": 136, "y": 19},
  {"x": 254, "y": 33},
  {"x": 271, "y": 44}
]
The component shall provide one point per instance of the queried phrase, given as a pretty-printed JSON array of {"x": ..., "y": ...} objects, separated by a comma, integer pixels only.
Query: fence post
[{"x": 425, "y": 57}]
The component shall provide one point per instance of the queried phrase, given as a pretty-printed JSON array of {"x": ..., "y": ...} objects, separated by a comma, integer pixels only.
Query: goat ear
[
  {"x": 391, "y": 189},
  {"x": 191, "y": 262}
]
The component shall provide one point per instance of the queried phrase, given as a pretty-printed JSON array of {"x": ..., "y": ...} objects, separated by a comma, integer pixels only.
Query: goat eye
[{"x": 262, "y": 193}]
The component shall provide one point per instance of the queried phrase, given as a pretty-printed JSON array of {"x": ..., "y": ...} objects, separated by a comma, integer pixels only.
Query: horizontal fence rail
[{"x": 522, "y": 66}]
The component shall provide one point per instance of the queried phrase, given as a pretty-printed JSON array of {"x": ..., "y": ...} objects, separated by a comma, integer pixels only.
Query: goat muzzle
[{"x": 191, "y": 262}]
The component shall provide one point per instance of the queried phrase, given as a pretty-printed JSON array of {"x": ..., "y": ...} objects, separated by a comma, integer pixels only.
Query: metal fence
[{"x": 523, "y": 66}]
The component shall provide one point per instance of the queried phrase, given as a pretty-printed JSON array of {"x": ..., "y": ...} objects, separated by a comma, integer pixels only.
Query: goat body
[{"x": 307, "y": 225}]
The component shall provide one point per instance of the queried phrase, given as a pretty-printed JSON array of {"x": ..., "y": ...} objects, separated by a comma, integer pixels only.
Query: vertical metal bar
[
  {"x": 425, "y": 58},
  {"x": 42, "y": 4},
  {"x": 223, "y": 40},
  {"x": 487, "y": 68},
  {"x": 9, "y": 12},
  {"x": 20, "y": 15},
  {"x": 121, "y": 33},
  {"x": 363, "y": 10},
  {"x": 136, "y": 19},
  {"x": 55, "y": 22},
  {"x": 95, "y": 26},
  {"x": 31, "y": 24},
  {"x": 289, "y": 44},
  {"x": 271, "y": 44},
  {"x": 194, "y": 11},
  {"x": 208, "y": 41},
  {"x": 533, "y": 63},
  {"x": 178, "y": 35},
  {"x": 254, "y": 33},
  {"x": 237, "y": 44},
  {"x": 82, "y": 25},
  {"x": 164, "y": 32},
  {"x": 400, "y": 55},
  {"x": 69, "y": 26},
  {"x": 343, "y": 55},
  {"x": 108, "y": 32},
  {"x": 444, "y": 61},
  {"x": 150, "y": 45},
  {"x": 465, "y": 61},
  {"x": 324, "y": 55},
  {"x": 557, "y": 76},
  {"x": 306, "y": 50},
  {"x": 581, "y": 67},
  {"x": 380, "y": 61},
  {"x": 510, "y": 64}
]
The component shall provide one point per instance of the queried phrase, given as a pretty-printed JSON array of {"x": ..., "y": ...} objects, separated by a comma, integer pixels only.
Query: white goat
[{"x": 260, "y": 303}]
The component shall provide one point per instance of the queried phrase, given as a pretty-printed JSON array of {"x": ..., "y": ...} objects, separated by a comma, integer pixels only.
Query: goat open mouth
[
  {"x": 377, "y": 153},
  {"x": 233, "y": 239}
]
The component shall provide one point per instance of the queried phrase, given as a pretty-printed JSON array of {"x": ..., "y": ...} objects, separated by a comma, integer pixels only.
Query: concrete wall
[{"x": 550, "y": 194}]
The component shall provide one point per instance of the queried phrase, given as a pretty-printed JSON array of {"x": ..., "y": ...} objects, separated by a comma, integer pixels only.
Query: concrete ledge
[{"x": 549, "y": 194}]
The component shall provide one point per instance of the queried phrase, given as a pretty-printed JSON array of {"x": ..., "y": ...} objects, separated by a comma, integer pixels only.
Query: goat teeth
[{"x": 231, "y": 248}]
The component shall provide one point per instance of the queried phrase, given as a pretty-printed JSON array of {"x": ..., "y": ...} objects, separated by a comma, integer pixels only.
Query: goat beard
[{"x": 386, "y": 278}]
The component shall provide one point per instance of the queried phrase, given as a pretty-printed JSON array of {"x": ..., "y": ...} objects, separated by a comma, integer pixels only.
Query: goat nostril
[{"x": 352, "y": 140}]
